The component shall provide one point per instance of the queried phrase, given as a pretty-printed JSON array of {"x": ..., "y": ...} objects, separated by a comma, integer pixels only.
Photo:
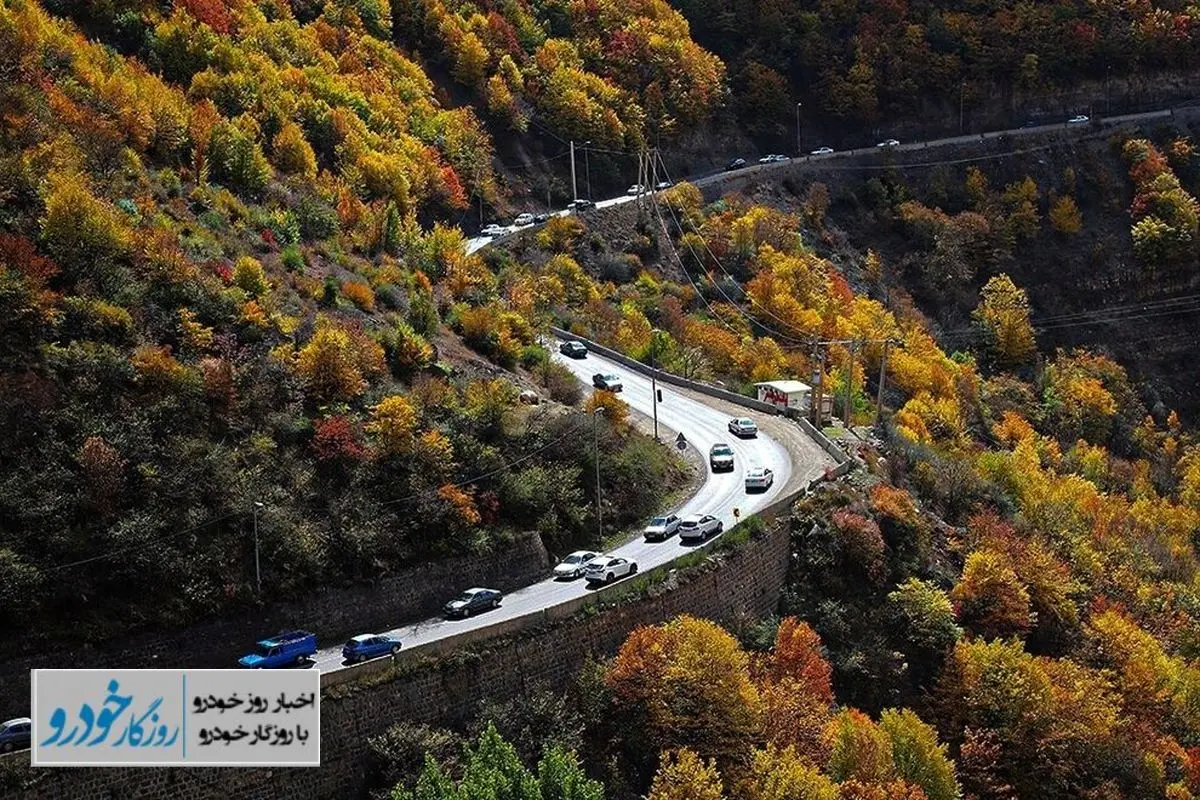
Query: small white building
[
  {"x": 795, "y": 395},
  {"x": 786, "y": 394}
]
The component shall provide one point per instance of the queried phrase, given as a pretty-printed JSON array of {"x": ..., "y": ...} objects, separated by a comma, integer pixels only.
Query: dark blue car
[
  {"x": 370, "y": 645},
  {"x": 15, "y": 734}
]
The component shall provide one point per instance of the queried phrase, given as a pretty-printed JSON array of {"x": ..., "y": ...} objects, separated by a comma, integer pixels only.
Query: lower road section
[{"x": 702, "y": 426}]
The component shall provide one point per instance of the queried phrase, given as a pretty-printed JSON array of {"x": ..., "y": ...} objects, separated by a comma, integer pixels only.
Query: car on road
[
  {"x": 573, "y": 565},
  {"x": 608, "y": 568},
  {"x": 821, "y": 151},
  {"x": 658, "y": 187},
  {"x": 720, "y": 457},
  {"x": 661, "y": 528},
  {"x": 888, "y": 143},
  {"x": 472, "y": 601},
  {"x": 580, "y": 205},
  {"x": 607, "y": 381},
  {"x": 283, "y": 650},
  {"x": 637, "y": 188},
  {"x": 573, "y": 349},
  {"x": 523, "y": 219},
  {"x": 15, "y": 734},
  {"x": 492, "y": 229},
  {"x": 1077, "y": 120},
  {"x": 737, "y": 163},
  {"x": 773, "y": 158},
  {"x": 369, "y": 645},
  {"x": 698, "y": 527},
  {"x": 1029, "y": 124},
  {"x": 538, "y": 219},
  {"x": 759, "y": 478},
  {"x": 743, "y": 427}
]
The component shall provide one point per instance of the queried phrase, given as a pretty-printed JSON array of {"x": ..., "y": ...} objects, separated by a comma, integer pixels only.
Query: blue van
[{"x": 283, "y": 650}]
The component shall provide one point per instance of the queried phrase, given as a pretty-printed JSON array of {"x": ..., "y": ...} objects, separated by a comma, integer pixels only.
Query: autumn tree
[
  {"x": 860, "y": 749},
  {"x": 780, "y": 774},
  {"x": 683, "y": 775},
  {"x": 336, "y": 362},
  {"x": 686, "y": 683},
  {"x": 1065, "y": 216},
  {"x": 990, "y": 598},
  {"x": 1002, "y": 317},
  {"x": 918, "y": 757},
  {"x": 393, "y": 423}
]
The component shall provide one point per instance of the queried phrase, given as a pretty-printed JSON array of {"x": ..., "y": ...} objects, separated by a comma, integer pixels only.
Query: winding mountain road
[{"x": 702, "y": 425}]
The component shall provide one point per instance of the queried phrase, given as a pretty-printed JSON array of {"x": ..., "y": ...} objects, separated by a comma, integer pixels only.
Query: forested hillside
[
  {"x": 859, "y": 64},
  {"x": 220, "y": 287}
]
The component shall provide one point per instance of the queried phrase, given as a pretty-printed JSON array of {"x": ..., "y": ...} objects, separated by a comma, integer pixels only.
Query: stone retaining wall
[
  {"x": 332, "y": 613},
  {"x": 744, "y": 583}
]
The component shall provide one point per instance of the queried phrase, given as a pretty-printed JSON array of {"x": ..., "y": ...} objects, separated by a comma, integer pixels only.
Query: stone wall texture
[
  {"x": 333, "y": 613},
  {"x": 744, "y": 583}
]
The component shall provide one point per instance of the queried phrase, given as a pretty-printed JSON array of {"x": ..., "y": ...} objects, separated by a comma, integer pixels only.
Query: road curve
[{"x": 719, "y": 495}]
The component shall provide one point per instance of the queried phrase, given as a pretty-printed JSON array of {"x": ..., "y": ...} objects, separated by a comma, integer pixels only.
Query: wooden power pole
[{"x": 882, "y": 377}]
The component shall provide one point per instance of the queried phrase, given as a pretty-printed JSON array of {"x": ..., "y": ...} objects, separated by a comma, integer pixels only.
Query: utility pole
[
  {"x": 799, "y": 149},
  {"x": 849, "y": 383},
  {"x": 654, "y": 375},
  {"x": 882, "y": 377},
  {"x": 1107, "y": 93},
  {"x": 574, "y": 191},
  {"x": 596, "y": 412},
  {"x": 818, "y": 405},
  {"x": 587, "y": 168},
  {"x": 257, "y": 568},
  {"x": 962, "y": 94}
]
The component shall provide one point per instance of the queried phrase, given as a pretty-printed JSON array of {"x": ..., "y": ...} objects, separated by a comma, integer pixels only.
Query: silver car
[
  {"x": 661, "y": 528},
  {"x": 720, "y": 457},
  {"x": 573, "y": 565},
  {"x": 743, "y": 426},
  {"x": 822, "y": 151}
]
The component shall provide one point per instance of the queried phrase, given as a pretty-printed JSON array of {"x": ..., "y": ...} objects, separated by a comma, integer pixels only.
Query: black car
[
  {"x": 471, "y": 601},
  {"x": 737, "y": 163},
  {"x": 573, "y": 349},
  {"x": 581, "y": 205},
  {"x": 15, "y": 734},
  {"x": 538, "y": 219}
]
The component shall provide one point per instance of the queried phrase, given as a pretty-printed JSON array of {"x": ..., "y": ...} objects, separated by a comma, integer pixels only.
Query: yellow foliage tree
[
  {"x": 335, "y": 364},
  {"x": 780, "y": 774},
  {"x": 291, "y": 152},
  {"x": 394, "y": 423},
  {"x": 1003, "y": 317},
  {"x": 683, "y": 775}
]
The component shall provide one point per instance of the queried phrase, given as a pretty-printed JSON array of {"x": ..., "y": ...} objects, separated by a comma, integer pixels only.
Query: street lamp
[
  {"x": 596, "y": 412},
  {"x": 799, "y": 149},
  {"x": 257, "y": 569},
  {"x": 587, "y": 168}
]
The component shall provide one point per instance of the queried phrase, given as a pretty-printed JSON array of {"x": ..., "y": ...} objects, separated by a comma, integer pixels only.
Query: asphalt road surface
[{"x": 702, "y": 426}]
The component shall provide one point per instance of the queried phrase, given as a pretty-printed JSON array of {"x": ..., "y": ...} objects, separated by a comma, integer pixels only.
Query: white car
[
  {"x": 888, "y": 143},
  {"x": 492, "y": 230},
  {"x": 658, "y": 187},
  {"x": 1078, "y": 120},
  {"x": 573, "y": 565},
  {"x": 524, "y": 219},
  {"x": 607, "y": 568},
  {"x": 759, "y": 478},
  {"x": 771, "y": 159},
  {"x": 743, "y": 426},
  {"x": 822, "y": 151},
  {"x": 661, "y": 528},
  {"x": 637, "y": 188},
  {"x": 698, "y": 527}
]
